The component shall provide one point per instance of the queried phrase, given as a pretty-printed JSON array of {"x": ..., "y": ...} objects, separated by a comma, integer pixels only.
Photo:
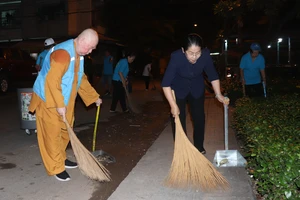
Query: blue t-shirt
[
  {"x": 252, "y": 69},
  {"x": 184, "y": 77},
  {"x": 123, "y": 67},
  {"x": 108, "y": 66},
  {"x": 41, "y": 57}
]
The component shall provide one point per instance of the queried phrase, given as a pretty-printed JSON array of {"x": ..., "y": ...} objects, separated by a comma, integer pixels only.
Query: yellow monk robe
[{"x": 51, "y": 130}]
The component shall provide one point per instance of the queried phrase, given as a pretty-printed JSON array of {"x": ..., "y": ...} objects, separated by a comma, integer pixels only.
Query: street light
[
  {"x": 195, "y": 25},
  {"x": 269, "y": 46},
  {"x": 278, "y": 41}
]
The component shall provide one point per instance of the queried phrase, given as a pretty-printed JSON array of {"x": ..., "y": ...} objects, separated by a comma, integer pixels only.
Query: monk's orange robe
[{"x": 52, "y": 135}]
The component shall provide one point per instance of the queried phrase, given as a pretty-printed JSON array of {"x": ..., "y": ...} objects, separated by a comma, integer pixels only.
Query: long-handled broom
[
  {"x": 100, "y": 155},
  {"x": 131, "y": 105},
  {"x": 88, "y": 164},
  {"x": 190, "y": 168}
]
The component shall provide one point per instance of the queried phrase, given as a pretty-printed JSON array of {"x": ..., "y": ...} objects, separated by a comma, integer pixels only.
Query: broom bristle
[
  {"x": 190, "y": 168},
  {"x": 132, "y": 106},
  {"x": 88, "y": 164}
]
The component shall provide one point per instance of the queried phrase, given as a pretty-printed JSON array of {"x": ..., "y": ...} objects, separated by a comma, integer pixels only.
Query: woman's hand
[
  {"x": 175, "y": 110},
  {"x": 222, "y": 99},
  {"x": 171, "y": 99},
  {"x": 219, "y": 96}
]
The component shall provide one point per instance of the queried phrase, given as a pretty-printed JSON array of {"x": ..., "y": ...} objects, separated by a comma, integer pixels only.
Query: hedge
[{"x": 270, "y": 133}]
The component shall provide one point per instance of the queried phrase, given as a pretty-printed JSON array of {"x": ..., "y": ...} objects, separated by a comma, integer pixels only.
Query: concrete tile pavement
[{"x": 23, "y": 177}]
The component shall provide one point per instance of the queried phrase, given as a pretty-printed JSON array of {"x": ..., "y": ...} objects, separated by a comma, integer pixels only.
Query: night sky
[
  {"x": 164, "y": 23},
  {"x": 159, "y": 21}
]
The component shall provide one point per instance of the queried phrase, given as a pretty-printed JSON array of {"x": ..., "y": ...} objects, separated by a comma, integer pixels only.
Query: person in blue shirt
[
  {"x": 184, "y": 75},
  {"x": 252, "y": 69},
  {"x": 49, "y": 43},
  {"x": 107, "y": 71},
  {"x": 118, "y": 89}
]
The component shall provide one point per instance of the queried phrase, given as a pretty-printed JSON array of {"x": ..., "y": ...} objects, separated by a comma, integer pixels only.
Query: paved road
[{"x": 21, "y": 170}]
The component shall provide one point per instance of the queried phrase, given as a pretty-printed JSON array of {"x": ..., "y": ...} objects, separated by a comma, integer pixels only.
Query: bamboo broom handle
[
  {"x": 173, "y": 93},
  {"x": 124, "y": 83}
]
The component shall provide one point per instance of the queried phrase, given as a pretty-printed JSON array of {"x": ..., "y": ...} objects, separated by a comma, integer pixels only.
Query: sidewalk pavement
[
  {"x": 23, "y": 176},
  {"x": 145, "y": 181}
]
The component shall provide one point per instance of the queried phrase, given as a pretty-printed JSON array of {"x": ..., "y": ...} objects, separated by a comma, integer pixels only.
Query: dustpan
[
  {"x": 100, "y": 155},
  {"x": 228, "y": 158}
]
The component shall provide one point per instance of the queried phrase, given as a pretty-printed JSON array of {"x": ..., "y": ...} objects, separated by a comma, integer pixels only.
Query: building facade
[{"x": 40, "y": 19}]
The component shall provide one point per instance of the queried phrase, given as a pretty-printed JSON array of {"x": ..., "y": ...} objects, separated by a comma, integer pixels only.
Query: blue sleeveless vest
[{"x": 67, "y": 79}]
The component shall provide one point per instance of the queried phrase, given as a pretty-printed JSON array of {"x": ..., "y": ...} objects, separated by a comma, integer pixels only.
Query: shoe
[
  {"x": 70, "y": 165},
  {"x": 112, "y": 111},
  {"x": 203, "y": 151},
  {"x": 63, "y": 176},
  {"x": 126, "y": 111}
]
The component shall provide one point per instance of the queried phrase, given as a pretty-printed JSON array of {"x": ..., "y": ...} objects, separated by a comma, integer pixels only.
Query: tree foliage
[
  {"x": 158, "y": 22},
  {"x": 275, "y": 14},
  {"x": 135, "y": 23}
]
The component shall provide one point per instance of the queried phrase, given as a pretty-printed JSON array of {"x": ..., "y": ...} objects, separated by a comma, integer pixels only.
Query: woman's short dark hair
[
  {"x": 192, "y": 39},
  {"x": 130, "y": 53}
]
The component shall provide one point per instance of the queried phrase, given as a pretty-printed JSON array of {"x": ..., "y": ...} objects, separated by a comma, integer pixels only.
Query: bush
[
  {"x": 270, "y": 129},
  {"x": 232, "y": 88},
  {"x": 275, "y": 86}
]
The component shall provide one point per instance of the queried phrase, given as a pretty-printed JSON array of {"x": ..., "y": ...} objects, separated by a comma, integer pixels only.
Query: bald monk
[{"x": 53, "y": 101}]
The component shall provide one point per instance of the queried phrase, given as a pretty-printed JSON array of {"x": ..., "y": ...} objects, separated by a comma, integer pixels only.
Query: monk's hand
[
  {"x": 98, "y": 102},
  {"x": 62, "y": 112}
]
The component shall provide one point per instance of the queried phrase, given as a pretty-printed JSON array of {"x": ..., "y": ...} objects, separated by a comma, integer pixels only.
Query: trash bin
[{"x": 28, "y": 121}]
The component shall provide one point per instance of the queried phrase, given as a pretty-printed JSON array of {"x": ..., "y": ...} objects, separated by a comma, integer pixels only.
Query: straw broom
[
  {"x": 190, "y": 168},
  {"x": 131, "y": 105},
  {"x": 88, "y": 164}
]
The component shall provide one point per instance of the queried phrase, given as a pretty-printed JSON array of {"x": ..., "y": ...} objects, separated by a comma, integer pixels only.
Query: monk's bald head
[{"x": 86, "y": 42}]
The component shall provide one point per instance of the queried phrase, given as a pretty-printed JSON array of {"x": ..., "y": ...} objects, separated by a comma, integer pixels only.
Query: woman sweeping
[
  {"x": 184, "y": 75},
  {"x": 118, "y": 89}
]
